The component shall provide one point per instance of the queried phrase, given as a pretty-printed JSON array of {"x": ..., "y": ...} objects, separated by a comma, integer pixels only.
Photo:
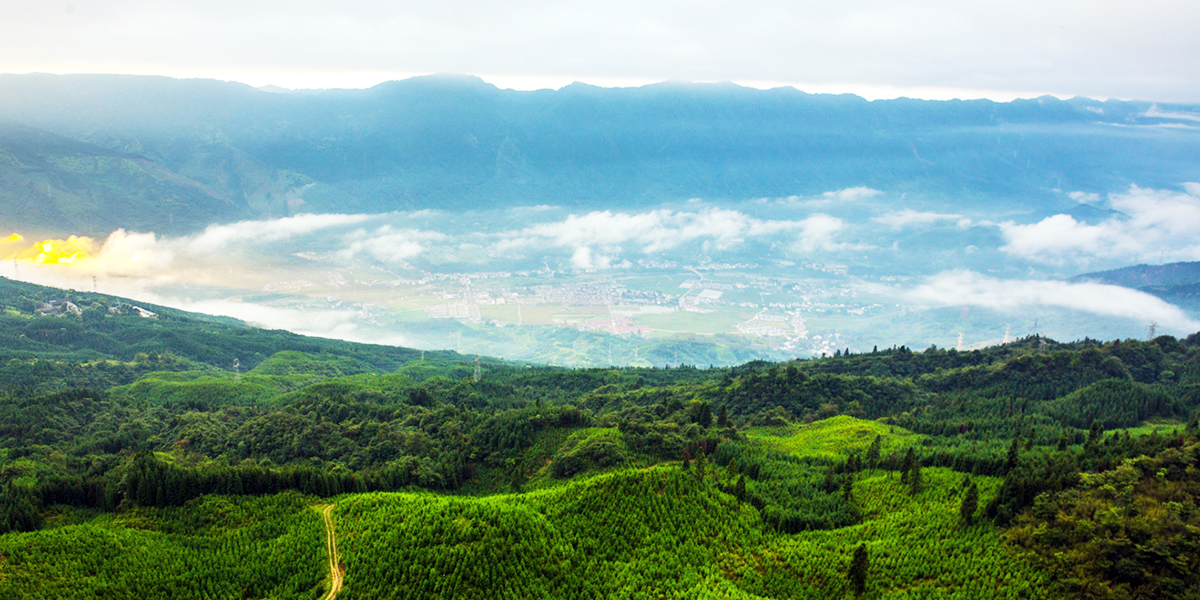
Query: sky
[{"x": 935, "y": 49}]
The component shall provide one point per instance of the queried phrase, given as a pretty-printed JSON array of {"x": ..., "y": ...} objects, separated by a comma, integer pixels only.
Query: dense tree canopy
[{"x": 1082, "y": 456}]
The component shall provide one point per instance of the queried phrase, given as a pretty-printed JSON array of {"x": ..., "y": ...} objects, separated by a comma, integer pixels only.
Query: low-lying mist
[{"x": 770, "y": 277}]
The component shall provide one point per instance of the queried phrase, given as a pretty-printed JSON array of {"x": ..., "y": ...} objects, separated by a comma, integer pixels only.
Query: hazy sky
[{"x": 1146, "y": 49}]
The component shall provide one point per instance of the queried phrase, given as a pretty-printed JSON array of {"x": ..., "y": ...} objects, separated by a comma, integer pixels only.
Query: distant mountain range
[{"x": 89, "y": 153}]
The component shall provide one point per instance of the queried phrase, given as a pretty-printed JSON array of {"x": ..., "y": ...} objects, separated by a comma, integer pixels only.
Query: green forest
[{"x": 184, "y": 456}]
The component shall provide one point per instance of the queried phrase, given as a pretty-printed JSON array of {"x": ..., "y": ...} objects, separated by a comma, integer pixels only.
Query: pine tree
[
  {"x": 1095, "y": 433},
  {"x": 830, "y": 483},
  {"x": 859, "y": 566},
  {"x": 873, "y": 452},
  {"x": 701, "y": 465},
  {"x": 916, "y": 481},
  {"x": 1063, "y": 442},
  {"x": 704, "y": 415},
  {"x": 970, "y": 504},
  {"x": 739, "y": 489},
  {"x": 910, "y": 459},
  {"x": 1014, "y": 455},
  {"x": 723, "y": 417}
]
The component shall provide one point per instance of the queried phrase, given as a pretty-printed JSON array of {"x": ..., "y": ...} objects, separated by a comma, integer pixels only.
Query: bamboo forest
[{"x": 186, "y": 456}]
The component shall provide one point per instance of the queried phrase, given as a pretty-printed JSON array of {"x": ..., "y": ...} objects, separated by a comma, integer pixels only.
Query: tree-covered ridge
[
  {"x": 45, "y": 348},
  {"x": 634, "y": 533},
  {"x": 1129, "y": 531}
]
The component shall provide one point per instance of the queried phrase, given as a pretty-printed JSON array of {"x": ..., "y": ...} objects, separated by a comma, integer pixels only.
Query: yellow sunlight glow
[{"x": 57, "y": 252}]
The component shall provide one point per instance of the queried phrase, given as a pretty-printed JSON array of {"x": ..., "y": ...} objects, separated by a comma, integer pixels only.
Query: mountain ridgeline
[
  {"x": 133, "y": 451},
  {"x": 90, "y": 153}
]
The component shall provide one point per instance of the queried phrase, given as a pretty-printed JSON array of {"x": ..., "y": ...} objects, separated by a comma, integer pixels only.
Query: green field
[{"x": 721, "y": 320}]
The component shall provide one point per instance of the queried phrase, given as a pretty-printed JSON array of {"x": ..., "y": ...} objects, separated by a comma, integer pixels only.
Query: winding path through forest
[{"x": 335, "y": 567}]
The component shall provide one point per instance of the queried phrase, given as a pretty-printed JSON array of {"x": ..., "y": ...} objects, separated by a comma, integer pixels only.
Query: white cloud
[
  {"x": 1154, "y": 112},
  {"x": 1084, "y": 197},
  {"x": 817, "y": 234},
  {"x": 596, "y": 238},
  {"x": 851, "y": 194},
  {"x": 212, "y": 255},
  {"x": 584, "y": 258},
  {"x": 129, "y": 253},
  {"x": 217, "y": 238},
  {"x": 967, "y": 288},
  {"x": 1053, "y": 237},
  {"x": 908, "y": 216},
  {"x": 336, "y": 324},
  {"x": 534, "y": 208},
  {"x": 1157, "y": 222},
  {"x": 389, "y": 245}
]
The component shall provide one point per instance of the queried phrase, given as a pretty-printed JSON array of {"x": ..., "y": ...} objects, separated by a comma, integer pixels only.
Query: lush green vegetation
[
  {"x": 110, "y": 344},
  {"x": 1035, "y": 469},
  {"x": 214, "y": 547}
]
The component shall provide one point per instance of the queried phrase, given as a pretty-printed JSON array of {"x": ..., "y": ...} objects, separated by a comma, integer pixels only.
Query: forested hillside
[
  {"x": 133, "y": 456},
  {"x": 53, "y": 340}
]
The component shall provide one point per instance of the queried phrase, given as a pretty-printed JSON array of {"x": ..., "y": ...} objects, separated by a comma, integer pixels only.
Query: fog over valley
[{"x": 688, "y": 281}]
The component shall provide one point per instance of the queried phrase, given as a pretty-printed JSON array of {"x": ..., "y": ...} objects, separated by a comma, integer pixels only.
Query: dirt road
[{"x": 335, "y": 567}]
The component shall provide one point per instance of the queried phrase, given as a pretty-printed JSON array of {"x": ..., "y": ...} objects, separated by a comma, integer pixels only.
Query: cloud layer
[
  {"x": 388, "y": 244},
  {"x": 907, "y": 217},
  {"x": 1158, "y": 224},
  {"x": 967, "y": 288},
  {"x": 597, "y": 239}
]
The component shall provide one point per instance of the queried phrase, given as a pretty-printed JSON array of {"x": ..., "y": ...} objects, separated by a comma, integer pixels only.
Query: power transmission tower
[
  {"x": 237, "y": 370},
  {"x": 1153, "y": 330},
  {"x": 478, "y": 371}
]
